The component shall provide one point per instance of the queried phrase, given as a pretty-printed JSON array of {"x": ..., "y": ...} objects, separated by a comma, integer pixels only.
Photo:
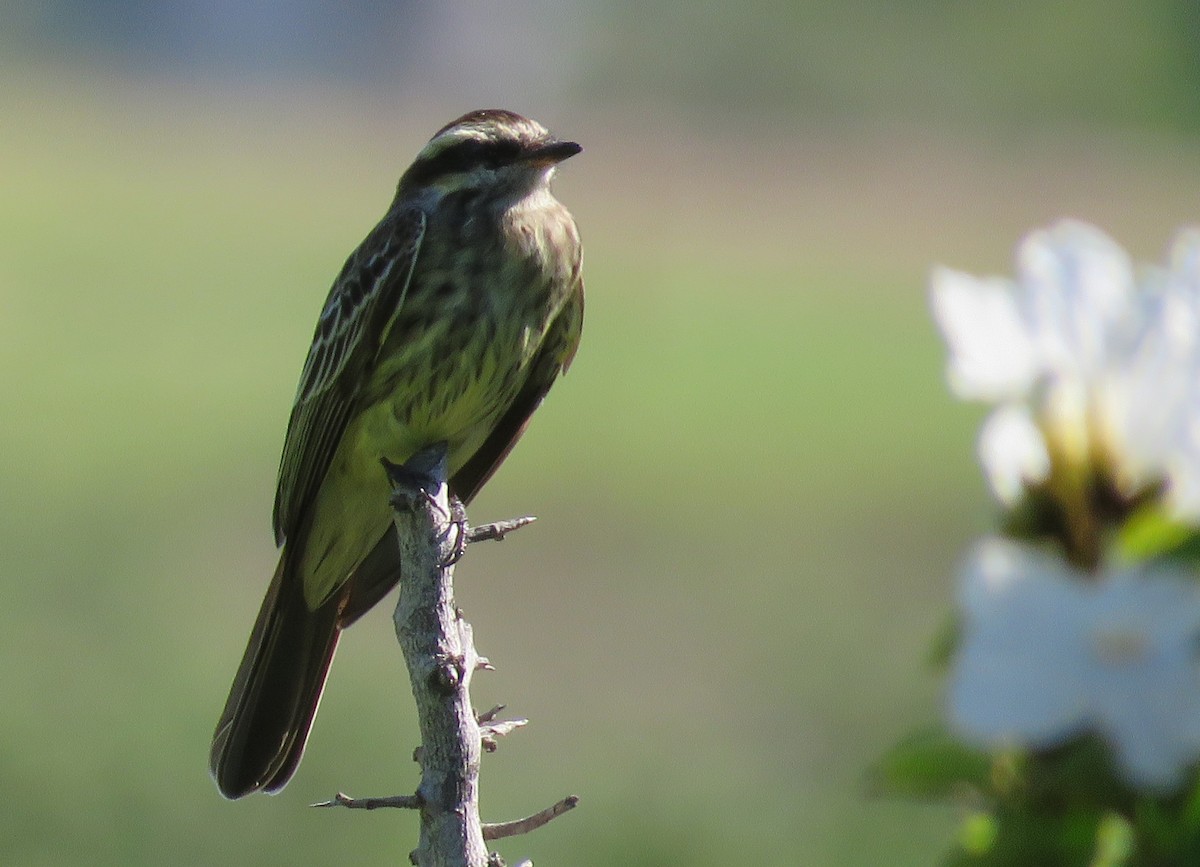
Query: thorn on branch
[
  {"x": 488, "y": 732},
  {"x": 341, "y": 799},
  {"x": 497, "y": 530},
  {"x": 502, "y": 727},
  {"x": 491, "y": 728},
  {"x": 500, "y": 830},
  {"x": 489, "y": 715}
]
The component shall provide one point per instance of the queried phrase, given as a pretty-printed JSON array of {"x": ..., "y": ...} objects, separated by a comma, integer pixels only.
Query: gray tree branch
[{"x": 440, "y": 655}]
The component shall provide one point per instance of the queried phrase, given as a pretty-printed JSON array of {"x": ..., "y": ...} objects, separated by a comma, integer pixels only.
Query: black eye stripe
[{"x": 463, "y": 156}]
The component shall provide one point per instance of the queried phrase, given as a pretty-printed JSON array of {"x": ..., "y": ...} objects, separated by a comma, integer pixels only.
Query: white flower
[
  {"x": 1012, "y": 452},
  {"x": 1048, "y": 653},
  {"x": 991, "y": 354},
  {"x": 1099, "y": 367}
]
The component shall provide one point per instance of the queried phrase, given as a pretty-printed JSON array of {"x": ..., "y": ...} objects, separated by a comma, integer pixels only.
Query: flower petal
[
  {"x": 1020, "y": 673},
  {"x": 991, "y": 355},
  {"x": 1013, "y": 452},
  {"x": 1076, "y": 284}
]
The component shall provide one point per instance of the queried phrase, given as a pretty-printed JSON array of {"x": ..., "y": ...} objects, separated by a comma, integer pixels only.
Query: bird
[{"x": 448, "y": 324}]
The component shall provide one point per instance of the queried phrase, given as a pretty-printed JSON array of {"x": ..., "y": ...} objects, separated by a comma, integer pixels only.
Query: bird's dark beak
[{"x": 552, "y": 153}]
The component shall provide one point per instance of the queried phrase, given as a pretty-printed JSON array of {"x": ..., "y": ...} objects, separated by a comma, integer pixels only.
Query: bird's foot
[{"x": 458, "y": 526}]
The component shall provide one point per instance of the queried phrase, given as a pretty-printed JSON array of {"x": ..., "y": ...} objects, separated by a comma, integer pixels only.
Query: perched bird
[{"x": 448, "y": 324}]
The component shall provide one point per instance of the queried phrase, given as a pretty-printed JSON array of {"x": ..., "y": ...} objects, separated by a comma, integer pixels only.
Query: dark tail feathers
[{"x": 261, "y": 735}]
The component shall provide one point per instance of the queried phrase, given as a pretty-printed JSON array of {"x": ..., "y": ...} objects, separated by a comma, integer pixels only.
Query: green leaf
[
  {"x": 1115, "y": 843},
  {"x": 1189, "y": 815},
  {"x": 978, "y": 834},
  {"x": 1156, "y": 821},
  {"x": 1150, "y": 533},
  {"x": 1080, "y": 773},
  {"x": 932, "y": 764},
  {"x": 1008, "y": 838},
  {"x": 945, "y": 642}
]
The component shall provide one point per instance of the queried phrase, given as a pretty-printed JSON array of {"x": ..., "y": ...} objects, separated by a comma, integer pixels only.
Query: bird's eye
[
  {"x": 501, "y": 152},
  {"x": 463, "y": 157}
]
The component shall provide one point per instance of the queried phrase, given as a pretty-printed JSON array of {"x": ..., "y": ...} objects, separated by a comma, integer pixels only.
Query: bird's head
[{"x": 490, "y": 148}]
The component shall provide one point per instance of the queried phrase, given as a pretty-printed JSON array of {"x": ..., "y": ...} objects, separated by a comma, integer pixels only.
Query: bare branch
[
  {"x": 488, "y": 732},
  {"x": 497, "y": 530},
  {"x": 490, "y": 714},
  {"x": 341, "y": 799},
  {"x": 440, "y": 655},
  {"x": 439, "y": 651},
  {"x": 499, "y": 830}
]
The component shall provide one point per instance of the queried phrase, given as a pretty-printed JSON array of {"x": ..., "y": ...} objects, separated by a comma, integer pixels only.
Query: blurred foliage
[
  {"x": 1151, "y": 533},
  {"x": 1064, "y": 806},
  {"x": 991, "y": 65},
  {"x": 999, "y": 65}
]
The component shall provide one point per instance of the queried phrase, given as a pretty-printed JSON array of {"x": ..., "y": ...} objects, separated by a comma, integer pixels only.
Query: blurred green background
[{"x": 752, "y": 486}]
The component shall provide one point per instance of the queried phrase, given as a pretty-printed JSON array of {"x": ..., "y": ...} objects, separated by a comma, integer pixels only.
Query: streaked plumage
[{"x": 449, "y": 323}]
